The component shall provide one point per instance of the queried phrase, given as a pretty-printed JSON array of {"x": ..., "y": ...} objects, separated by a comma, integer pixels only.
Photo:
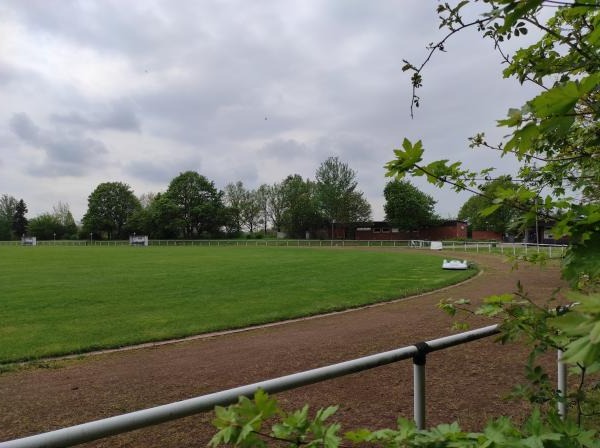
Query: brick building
[{"x": 381, "y": 230}]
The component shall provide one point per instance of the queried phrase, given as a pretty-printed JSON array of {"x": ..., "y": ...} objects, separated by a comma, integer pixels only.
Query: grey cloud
[
  {"x": 247, "y": 172},
  {"x": 158, "y": 172},
  {"x": 118, "y": 115},
  {"x": 285, "y": 150},
  {"x": 65, "y": 153},
  {"x": 108, "y": 26},
  {"x": 25, "y": 128}
]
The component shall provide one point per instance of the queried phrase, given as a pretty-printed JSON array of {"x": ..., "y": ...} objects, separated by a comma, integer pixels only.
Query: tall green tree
[
  {"x": 501, "y": 219},
  {"x": 160, "y": 218},
  {"x": 62, "y": 213},
  {"x": 19, "y": 220},
  {"x": 250, "y": 211},
  {"x": 339, "y": 200},
  {"x": 406, "y": 207},
  {"x": 234, "y": 198},
  {"x": 8, "y": 206},
  {"x": 195, "y": 204},
  {"x": 277, "y": 204},
  {"x": 263, "y": 192},
  {"x": 110, "y": 208},
  {"x": 56, "y": 225},
  {"x": 301, "y": 212},
  {"x": 45, "y": 227},
  {"x": 142, "y": 221}
]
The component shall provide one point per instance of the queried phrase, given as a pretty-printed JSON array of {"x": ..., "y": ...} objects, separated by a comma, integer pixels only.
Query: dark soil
[{"x": 465, "y": 383}]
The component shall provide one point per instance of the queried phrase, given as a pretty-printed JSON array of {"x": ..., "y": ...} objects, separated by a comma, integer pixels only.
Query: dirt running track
[{"x": 464, "y": 383}]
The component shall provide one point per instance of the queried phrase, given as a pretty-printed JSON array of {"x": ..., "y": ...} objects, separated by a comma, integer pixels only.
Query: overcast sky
[{"x": 139, "y": 91}]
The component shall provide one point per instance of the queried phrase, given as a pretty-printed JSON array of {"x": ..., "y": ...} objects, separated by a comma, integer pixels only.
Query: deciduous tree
[
  {"x": 301, "y": 208},
  {"x": 8, "y": 206},
  {"x": 234, "y": 199},
  {"x": 110, "y": 208},
  {"x": 277, "y": 205},
  {"x": 338, "y": 199},
  {"x": 502, "y": 219},
  {"x": 407, "y": 207},
  {"x": 62, "y": 212},
  {"x": 45, "y": 227},
  {"x": 195, "y": 204}
]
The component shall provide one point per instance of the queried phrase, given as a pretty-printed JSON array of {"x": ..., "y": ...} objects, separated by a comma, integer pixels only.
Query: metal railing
[
  {"x": 552, "y": 250},
  {"x": 87, "y": 432},
  {"x": 111, "y": 426}
]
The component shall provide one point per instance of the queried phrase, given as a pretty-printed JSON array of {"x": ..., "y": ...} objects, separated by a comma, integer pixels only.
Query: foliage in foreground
[{"x": 246, "y": 424}]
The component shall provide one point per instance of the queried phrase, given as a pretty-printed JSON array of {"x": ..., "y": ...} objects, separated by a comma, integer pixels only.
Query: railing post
[
  {"x": 562, "y": 386},
  {"x": 419, "y": 361}
]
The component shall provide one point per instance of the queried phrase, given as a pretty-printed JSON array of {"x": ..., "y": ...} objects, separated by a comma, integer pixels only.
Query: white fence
[{"x": 552, "y": 250}]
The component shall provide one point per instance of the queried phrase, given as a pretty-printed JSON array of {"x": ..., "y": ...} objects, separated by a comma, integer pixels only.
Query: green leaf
[
  {"x": 499, "y": 299},
  {"x": 515, "y": 118},
  {"x": 489, "y": 210},
  {"x": 558, "y": 100},
  {"x": 405, "y": 159}
]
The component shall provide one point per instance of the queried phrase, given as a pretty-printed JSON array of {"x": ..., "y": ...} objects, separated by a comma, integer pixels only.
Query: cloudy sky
[{"x": 139, "y": 91}]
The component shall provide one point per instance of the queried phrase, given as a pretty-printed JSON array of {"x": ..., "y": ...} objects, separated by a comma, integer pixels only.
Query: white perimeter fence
[
  {"x": 552, "y": 250},
  {"x": 99, "y": 429}
]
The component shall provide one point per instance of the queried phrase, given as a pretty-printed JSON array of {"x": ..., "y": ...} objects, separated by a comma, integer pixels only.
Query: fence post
[
  {"x": 419, "y": 361},
  {"x": 562, "y": 386}
]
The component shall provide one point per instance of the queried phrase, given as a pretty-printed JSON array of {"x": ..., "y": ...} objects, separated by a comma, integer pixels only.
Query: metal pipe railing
[
  {"x": 87, "y": 432},
  {"x": 562, "y": 385}
]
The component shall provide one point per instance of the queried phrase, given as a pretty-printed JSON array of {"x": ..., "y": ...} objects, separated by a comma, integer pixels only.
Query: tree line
[{"x": 192, "y": 207}]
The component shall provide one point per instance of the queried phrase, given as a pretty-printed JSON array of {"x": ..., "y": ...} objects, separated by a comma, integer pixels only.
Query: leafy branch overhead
[{"x": 555, "y": 135}]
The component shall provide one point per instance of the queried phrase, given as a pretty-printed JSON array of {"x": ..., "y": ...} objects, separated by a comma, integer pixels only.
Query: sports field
[{"x": 59, "y": 300}]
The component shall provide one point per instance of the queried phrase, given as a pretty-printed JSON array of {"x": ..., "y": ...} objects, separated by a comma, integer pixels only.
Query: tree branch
[{"x": 438, "y": 46}]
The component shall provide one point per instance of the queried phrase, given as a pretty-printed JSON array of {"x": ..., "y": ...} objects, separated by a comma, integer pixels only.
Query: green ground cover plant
[{"x": 57, "y": 300}]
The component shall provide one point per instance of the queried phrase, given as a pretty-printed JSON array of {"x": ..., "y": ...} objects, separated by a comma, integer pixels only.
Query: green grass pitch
[{"x": 60, "y": 300}]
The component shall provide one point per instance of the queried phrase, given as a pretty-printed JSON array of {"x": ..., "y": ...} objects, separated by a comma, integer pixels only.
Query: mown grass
[{"x": 59, "y": 300}]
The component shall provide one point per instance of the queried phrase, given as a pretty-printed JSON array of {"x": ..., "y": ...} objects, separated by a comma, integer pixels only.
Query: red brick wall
[
  {"x": 458, "y": 230},
  {"x": 486, "y": 235}
]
